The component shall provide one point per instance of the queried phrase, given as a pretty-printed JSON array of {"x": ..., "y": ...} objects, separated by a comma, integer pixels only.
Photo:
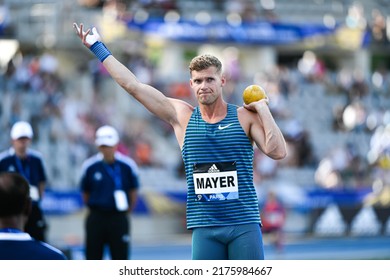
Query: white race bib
[{"x": 215, "y": 181}]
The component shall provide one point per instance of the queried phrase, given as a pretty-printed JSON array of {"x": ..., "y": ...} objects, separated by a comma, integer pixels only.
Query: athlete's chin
[{"x": 205, "y": 101}]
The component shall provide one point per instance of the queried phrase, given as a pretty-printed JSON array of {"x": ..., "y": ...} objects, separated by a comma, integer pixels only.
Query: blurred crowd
[
  {"x": 65, "y": 110},
  {"x": 359, "y": 116},
  {"x": 33, "y": 90}
]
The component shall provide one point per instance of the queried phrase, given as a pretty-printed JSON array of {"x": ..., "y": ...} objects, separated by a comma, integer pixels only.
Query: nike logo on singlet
[{"x": 220, "y": 127}]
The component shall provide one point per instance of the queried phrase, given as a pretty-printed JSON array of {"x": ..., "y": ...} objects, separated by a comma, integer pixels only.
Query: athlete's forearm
[
  {"x": 153, "y": 100},
  {"x": 122, "y": 75}
]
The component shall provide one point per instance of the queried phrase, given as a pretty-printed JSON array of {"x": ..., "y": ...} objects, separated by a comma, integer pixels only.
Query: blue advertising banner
[
  {"x": 69, "y": 202},
  {"x": 60, "y": 203},
  {"x": 271, "y": 33},
  {"x": 318, "y": 198}
]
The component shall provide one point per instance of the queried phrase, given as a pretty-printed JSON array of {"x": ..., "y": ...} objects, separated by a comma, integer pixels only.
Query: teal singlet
[{"x": 218, "y": 161}]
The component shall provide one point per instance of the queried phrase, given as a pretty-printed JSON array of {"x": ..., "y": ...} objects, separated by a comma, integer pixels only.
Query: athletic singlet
[{"x": 218, "y": 162}]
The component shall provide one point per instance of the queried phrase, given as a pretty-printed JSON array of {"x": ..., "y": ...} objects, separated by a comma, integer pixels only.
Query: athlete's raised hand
[
  {"x": 88, "y": 37},
  {"x": 92, "y": 40}
]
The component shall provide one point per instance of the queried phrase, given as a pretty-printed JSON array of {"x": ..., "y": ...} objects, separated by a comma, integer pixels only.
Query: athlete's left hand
[{"x": 257, "y": 104}]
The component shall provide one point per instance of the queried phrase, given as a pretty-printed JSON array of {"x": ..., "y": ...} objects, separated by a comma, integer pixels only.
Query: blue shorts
[{"x": 238, "y": 242}]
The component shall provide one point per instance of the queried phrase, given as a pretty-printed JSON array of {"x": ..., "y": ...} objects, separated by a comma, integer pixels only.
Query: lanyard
[
  {"x": 23, "y": 171},
  {"x": 115, "y": 174}
]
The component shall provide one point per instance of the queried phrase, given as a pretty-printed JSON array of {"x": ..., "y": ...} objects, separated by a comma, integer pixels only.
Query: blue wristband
[{"x": 100, "y": 50}]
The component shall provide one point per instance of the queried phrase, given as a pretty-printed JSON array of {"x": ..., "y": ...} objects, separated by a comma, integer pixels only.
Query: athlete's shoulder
[
  {"x": 183, "y": 105},
  {"x": 245, "y": 113}
]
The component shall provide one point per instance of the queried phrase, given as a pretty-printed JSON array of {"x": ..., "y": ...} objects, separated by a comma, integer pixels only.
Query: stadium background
[{"x": 324, "y": 64}]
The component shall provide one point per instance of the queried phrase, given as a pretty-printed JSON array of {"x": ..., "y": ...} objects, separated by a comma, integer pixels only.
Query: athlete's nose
[{"x": 203, "y": 85}]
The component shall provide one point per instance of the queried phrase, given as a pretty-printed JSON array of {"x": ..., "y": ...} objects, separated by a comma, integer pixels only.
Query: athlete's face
[{"x": 207, "y": 85}]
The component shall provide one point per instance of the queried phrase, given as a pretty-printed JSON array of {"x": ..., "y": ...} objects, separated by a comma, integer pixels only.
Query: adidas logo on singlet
[{"x": 213, "y": 169}]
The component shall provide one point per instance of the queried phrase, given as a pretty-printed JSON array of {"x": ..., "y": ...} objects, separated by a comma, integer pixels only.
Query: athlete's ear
[
  {"x": 223, "y": 80},
  {"x": 191, "y": 82}
]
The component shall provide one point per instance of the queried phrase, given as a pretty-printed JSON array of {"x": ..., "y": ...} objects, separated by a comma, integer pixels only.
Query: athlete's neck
[{"x": 213, "y": 113}]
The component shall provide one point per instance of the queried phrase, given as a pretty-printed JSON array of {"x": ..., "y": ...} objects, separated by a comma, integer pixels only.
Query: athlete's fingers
[{"x": 76, "y": 27}]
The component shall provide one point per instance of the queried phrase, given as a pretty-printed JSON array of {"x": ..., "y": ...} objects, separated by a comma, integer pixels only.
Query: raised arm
[{"x": 155, "y": 101}]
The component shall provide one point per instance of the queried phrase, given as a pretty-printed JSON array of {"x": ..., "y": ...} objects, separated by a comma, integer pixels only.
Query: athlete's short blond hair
[{"x": 204, "y": 61}]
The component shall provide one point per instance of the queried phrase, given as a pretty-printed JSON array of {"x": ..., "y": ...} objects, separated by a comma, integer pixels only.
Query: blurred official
[
  {"x": 109, "y": 185},
  {"x": 28, "y": 163}
]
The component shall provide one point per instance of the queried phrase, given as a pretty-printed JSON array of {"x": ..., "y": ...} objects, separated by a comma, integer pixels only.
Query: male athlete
[{"x": 216, "y": 140}]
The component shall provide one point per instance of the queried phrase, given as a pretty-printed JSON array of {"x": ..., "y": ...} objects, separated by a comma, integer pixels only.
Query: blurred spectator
[
  {"x": 300, "y": 150},
  {"x": 337, "y": 118},
  {"x": 264, "y": 167},
  {"x": 378, "y": 27},
  {"x": 344, "y": 79},
  {"x": 20, "y": 158},
  {"x": 379, "y": 153},
  {"x": 286, "y": 85},
  {"x": 48, "y": 63},
  {"x": 304, "y": 151},
  {"x": 312, "y": 67},
  {"x": 142, "y": 68},
  {"x": 273, "y": 217},
  {"x": 181, "y": 90},
  {"x": 143, "y": 153},
  {"x": 342, "y": 167},
  {"x": 35, "y": 90},
  {"x": 5, "y": 19},
  {"x": 278, "y": 106},
  {"x": 354, "y": 116},
  {"x": 359, "y": 88},
  {"x": 15, "y": 207},
  {"x": 380, "y": 80}
]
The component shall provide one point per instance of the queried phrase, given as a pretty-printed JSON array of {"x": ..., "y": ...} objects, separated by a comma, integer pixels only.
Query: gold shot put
[{"x": 253, "y": 93}]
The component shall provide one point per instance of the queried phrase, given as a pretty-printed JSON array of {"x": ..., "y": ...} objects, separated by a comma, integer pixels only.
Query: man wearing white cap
[
  {"x": 28, "y": 163},
  {"x": 109, "y": 184}
]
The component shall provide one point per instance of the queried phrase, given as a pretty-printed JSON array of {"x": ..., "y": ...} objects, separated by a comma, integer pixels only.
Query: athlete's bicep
[
  {"x": 154, "y": 101},
  {"x": 257, "y": 134},
  {"x": 183, "y": 114},
  {"x": 251, "y": 124}
]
